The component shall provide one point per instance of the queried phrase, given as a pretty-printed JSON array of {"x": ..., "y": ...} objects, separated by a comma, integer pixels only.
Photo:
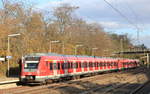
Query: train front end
[{"x": 30, "y": 69}]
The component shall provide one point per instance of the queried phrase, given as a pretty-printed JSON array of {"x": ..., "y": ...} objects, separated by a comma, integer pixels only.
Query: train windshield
[
  {"x": 31, "y": 62},
  {"x": 31, "y": 65}
]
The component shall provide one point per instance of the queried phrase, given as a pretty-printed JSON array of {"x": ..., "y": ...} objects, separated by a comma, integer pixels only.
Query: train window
[
  {"x": 111, "y": 64},
  {"x": 79, "y": 64},
  {"x": 115, "y": 64},
  {"x": 69, "y": 64},
  {"x": 32, "y": 58},
  {"x": 100, "y": 64},
  {"x": 85, "y": 64},
  {"x": 54, "y": 66},
  {"x": 66, "y": 65},
  {"x": 58, "y": 66},
  {"x": 90, "y": 64},
  {"x": 31, "y": 65},
  {"x": 51, "y": 66},
  {"x": 76, "y": 64},
  {"x": 107, "y": 63},
  {"x": 94, "y": 64},
  {"x": 103, "y": 64},
  {"x": 62, "y": 66}
]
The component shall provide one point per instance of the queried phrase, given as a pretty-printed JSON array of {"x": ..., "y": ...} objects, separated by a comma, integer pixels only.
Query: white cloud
[
  {"x": 113, "y": 25},
  {"x": 98, "y": 10},
  {"x": 137, "y": 11}
]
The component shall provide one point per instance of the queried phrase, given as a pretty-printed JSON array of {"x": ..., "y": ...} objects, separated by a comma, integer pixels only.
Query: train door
[
  {"x": 90, "y": 65},
  {"x": 85, "y": 66},
  {"x": 120, "y": 64},
  {"x": 108, "y": 64},
  {"x": 105, "y": 65},
  {"x": 111, "y": 64},
  {"x": 58, "y": 67},
  {"x": 62, "y": 67},
  {"x": 82, "y": 66},
  {"x": 96, "y": 65},
  {"x": 70, "y": 66},
  {"x": 55, "y": 68},
  {"x": 116, "y": 64},
  {"x": 51, "y": 67},
  {"x": 78, "y": 66},
  {"x": 101, "y": 65}
]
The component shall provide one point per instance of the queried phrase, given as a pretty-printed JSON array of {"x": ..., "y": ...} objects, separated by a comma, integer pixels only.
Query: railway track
[
  {"x": 88, "y": 85},
  {"x": 142, "y": 89}
]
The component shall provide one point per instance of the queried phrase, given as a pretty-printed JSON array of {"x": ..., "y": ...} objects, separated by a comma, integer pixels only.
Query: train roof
[{"x": 69, "y": 56}]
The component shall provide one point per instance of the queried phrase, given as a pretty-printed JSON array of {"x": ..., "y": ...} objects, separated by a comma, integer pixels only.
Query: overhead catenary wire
[
  {"x": 136, "y": 21},
  {"x": 123, "y": 16}
]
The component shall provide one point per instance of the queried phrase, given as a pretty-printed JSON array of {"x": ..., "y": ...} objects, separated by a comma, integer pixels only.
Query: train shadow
[{"x": 84, "y": 87}]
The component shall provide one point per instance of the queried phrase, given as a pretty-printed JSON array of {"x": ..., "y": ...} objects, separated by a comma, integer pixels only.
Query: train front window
[{"x": 32, "y": 65}]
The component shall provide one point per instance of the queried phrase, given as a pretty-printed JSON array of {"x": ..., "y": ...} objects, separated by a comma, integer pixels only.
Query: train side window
[
  {"x": 66, "y": 65},
  {"x": 62, "y": 66},
  {"x": 51, "y": 66},
  {"x": 103, "y": 64},
  {"x": 94, "y": 64},
  {"x": 76, "y": 64},
  {"x": 58, "y": 65},
  {"x": 97, "y": 64},
  {"x": 111, "y": 64},
  {"x": 100, "y": 64},
  {"x": 107, "y": 64},
  {"x": 79, "y": 64},
  {"x": 85, "y": 64},
  {"x": 69, "y": 65},
  {"x": 90, "y": 64}
]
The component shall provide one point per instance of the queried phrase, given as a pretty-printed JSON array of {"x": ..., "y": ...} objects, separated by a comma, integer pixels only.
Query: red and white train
[{"x": 40, "y": 67}]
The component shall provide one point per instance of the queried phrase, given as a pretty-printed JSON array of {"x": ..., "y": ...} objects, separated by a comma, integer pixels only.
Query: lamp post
[
  {"x": 51, "y": 42},
  {"x": 93, "y": 51},
  {"x": 63, "y": 48},
  {"x": 8, "y": 50},
  {"x": 75, "y": 50},
  {"x": 121, "y": 46}
]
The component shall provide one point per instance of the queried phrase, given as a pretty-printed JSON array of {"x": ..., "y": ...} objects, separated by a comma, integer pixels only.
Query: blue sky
[{"x": 137, "y": 11}]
